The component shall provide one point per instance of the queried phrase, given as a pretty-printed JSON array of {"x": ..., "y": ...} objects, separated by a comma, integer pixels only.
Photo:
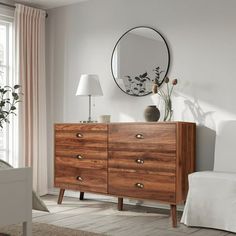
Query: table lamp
[{"x": 89, "y": 86}]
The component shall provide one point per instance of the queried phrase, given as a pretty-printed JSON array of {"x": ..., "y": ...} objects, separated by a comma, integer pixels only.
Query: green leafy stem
[{"x": 9, "y": 97}]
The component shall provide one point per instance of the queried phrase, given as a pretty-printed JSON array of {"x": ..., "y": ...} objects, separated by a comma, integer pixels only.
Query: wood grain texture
[
  {"x": 151, "y": 161},
  {"x": 61, "y": 195},
  {"x": 81, "y": 151},
  {"x": 87, "y": 154},
  {"x": 135, "y": 160},
  {"x": 84, "y": 163},
  {"x": 81, "y": 137},
  {"x": 142, "y": 137},
  {"x": 186, "y": 153},
  {"x": 142, "y": 185},
  {"x": 173, "y": 215},
  {"x": 81, "y": 179},
  {"x": 88, "y": 139},
  {"x": 80, "y": 127}
]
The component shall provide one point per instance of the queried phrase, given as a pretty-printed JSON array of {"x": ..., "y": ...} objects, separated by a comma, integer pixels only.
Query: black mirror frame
[{"x": 168, "y": 52}]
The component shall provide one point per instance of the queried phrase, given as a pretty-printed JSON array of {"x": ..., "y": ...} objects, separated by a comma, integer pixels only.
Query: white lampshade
[{"x": 89, "y": 85}]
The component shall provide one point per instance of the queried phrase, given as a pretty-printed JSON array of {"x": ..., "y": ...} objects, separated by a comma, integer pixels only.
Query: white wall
[{"x": 202, "y": 39}]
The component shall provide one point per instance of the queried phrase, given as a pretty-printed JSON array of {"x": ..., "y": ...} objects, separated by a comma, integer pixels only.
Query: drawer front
[
  {"x": 84, "y": 136},
  {"x": 81, "y": 158},
  {"x": 81, "y": 179},
  {"x": 137, "y": 184},
  {"x": 142, "y": 137},
  {"x": 81, "y": 163},
  {"x": 163, "y": 163}
]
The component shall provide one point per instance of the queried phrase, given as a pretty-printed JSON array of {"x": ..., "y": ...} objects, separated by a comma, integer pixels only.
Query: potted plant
[{"x": 165, "y": 93}]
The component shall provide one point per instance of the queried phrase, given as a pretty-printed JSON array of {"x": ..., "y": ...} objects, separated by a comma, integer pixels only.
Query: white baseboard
[{"x": 106, "y": 198}]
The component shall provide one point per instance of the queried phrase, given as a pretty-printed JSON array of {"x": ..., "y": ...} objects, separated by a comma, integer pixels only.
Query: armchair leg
[{"x": 27, "y": 228}]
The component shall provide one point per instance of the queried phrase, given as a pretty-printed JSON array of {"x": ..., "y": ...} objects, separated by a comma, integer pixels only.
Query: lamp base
[{"x": 87, "y": 121}]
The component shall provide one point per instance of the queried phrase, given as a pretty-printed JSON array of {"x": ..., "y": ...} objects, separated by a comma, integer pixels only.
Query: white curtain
[{"x": 30, "y": 67}]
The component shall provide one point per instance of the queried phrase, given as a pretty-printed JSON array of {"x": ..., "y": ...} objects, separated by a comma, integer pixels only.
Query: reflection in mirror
[{"x": 140, "y": 57}]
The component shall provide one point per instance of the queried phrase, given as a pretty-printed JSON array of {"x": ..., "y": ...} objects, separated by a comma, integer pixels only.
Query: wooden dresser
[{"x": 134, "y": 160}]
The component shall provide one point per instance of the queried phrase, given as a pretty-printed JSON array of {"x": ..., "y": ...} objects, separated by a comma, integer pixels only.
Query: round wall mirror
[{"x": 140, "y": 57}]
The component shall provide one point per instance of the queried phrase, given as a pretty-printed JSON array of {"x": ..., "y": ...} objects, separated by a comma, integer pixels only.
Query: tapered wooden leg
[
  {"x": 61, "y": 195},
  {"x": 173, "y": 215},
  {"x": 81, "y": 196},
  {"x": 120, "y": 204}
]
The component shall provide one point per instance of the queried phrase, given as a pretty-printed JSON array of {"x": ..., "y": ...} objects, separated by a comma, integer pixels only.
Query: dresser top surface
[{"x": 129, "y": 123}]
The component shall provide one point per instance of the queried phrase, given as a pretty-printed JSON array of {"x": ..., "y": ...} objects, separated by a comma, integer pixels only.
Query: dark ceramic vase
[{"x": 151, "y": 114}]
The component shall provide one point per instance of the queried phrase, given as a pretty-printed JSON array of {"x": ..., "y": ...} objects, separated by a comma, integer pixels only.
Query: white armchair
[
  {"x": 211, "y": 200},
  {"x": 16, "y": 198}
]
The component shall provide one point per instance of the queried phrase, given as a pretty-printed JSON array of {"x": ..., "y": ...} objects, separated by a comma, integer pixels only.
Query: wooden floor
[{"x": 102, "y": 217}]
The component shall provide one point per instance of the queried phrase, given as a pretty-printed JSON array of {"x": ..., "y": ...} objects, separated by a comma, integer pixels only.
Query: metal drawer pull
[
  {"x": 139, "y": 161},
  {"x": 139, "y": 136},
  {"x": 79, "y": 157},
  {"x": 79, "y": 135},
  {"x": 79, "y": 178},
  {"x": 139, "y": 185}
]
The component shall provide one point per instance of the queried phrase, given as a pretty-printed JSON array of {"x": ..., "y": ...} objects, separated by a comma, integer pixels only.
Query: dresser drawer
[
  {"x": 142, "y": 137},
  {"x": 92, "y": 136},
  {"x": 146, "y": 161},
  {"x": 83, "y": 139},
  {"x": 137, "y": 184},
  {"x": 80, "y": 154},
  {"x": 81, "y": 163},
  {"x": 81, "y": 179}
]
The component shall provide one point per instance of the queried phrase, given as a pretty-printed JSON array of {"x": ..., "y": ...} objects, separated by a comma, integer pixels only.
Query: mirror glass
[{"x": 140, "y": 57}]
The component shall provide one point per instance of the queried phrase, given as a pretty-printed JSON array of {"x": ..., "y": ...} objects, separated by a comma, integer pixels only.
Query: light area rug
[{"x": 40, "y": 229}]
